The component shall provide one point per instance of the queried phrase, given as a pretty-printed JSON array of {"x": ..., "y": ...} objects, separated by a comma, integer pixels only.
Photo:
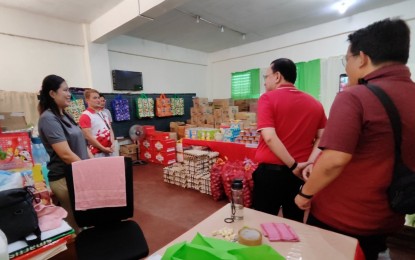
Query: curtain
[
  {"x": 300, "y": 81},
  {"x": 308, "y": 77},
  {"x": 331, "y": 69},
  {"x": 245, "y": 84},
  {"x": 14, "y": 101}
]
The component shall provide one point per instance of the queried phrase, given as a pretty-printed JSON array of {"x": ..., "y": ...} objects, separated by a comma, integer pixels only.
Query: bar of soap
[{"x": 249, "y": 237}]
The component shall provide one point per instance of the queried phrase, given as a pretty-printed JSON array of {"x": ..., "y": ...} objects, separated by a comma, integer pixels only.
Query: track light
[{"x": 217, "y": 25}]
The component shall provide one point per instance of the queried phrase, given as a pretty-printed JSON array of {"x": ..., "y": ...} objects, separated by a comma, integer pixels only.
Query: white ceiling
[
  {"x": 79, "y": 11},
  {"x": 258, "y": 19}
]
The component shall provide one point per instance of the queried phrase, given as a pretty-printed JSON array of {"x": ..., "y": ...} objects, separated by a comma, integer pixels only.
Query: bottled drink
[{"x": 237, "y": 203}]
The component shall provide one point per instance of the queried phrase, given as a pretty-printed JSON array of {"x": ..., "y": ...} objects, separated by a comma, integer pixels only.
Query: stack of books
[{"x": 52, "y": 242}]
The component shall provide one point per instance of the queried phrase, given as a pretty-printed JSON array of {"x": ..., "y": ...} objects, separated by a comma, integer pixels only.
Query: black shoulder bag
[
  {"x": 18, "y": 218},
  {"x": 401, "y": 192}
]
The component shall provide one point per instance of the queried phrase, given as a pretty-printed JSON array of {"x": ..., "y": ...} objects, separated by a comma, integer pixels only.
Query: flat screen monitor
[
  {"x": 127, "y": 80},
  {"x": 343, "y": 81}
]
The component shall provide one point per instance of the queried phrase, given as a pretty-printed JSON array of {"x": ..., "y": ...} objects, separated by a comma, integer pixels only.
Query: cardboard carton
[
  {"x": 168, "y": 145},
  {"x": 165, "y": 158},
  {"x": 11, "y": 121},
  {"x": 175, "y": 125},
  {"x": 128, "y": 149},
  {"x": 133, "y": 156},
  {"x": 221, "y": 103},
  {"x": 200, "y": 101}
]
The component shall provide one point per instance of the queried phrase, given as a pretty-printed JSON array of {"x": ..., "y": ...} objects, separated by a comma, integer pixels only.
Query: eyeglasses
[{"x": 345, "y": 59}]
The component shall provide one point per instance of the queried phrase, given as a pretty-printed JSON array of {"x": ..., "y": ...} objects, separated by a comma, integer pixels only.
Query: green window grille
[{"x": 245, "y": 84}]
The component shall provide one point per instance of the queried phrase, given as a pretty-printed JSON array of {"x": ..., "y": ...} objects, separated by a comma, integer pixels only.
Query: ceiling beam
[{"x": 128, "y": 15}]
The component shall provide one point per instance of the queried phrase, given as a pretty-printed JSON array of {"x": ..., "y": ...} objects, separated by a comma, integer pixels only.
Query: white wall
[
  {"x": 165, "y": 68},
  {"x": 33, "y": 46},
  {"x": 322, "y": 41}
]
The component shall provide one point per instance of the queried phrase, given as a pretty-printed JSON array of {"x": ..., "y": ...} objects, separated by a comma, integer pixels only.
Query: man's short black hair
[
  {"x": 101, "y": 95},
  {"x": 382, "y": 41},
  {"x": 286, "y": 67}
]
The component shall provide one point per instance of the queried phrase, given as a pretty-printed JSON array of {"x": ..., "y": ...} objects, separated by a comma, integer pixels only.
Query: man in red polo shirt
[
  {"x": 96, "y": 126},
  {"x": 291, "y": 123},
  {"x": 350, "y": 179}
]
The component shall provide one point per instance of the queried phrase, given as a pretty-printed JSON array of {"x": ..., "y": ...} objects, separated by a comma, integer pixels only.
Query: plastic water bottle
[
  {"x": 36, "y": 152},
  {"x": 237, "y": 203}
]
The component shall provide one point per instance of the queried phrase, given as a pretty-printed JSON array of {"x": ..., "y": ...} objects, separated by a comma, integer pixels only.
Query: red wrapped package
[
  {"x": 216, "y": 186},
  {"x": 239, "y": 170}
]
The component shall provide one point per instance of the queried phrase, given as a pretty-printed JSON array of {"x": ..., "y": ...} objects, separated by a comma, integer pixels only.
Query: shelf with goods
[{"x": 24, "y": 164}]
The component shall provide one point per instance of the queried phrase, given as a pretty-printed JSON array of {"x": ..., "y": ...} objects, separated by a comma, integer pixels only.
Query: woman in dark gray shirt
[{"x": 61, "y": 136}]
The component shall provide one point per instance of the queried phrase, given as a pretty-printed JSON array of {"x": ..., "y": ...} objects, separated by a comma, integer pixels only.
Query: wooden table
[{"x": 315, "y": 243}]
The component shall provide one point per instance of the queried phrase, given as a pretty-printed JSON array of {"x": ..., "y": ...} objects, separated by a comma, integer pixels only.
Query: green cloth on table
[{"x": 207, "y": 248}]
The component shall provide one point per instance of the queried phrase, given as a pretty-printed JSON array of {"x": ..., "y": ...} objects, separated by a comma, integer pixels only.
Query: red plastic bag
[
  {"x": 216, "y": 186},
  {"x": 239, "y": 170}
]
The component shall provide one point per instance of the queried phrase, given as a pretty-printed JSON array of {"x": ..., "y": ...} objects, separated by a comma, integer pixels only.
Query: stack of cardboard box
[
  {"x": 157, "y": 147},
  {"x": 222, "y": 111},
  {"x": 179, "y": 128},
  {"x": 247, "y": 119},
  {"x": 246, "y": 105},
  {"x": 129, "y": 150},
  {"x": 201, "y": 113}
]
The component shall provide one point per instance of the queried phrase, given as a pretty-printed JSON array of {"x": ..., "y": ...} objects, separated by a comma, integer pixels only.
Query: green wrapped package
[{"x": 206, "y": 248}]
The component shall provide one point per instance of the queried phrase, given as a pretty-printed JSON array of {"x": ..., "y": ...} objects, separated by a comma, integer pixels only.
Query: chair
[{"x": 109, "y": 235}]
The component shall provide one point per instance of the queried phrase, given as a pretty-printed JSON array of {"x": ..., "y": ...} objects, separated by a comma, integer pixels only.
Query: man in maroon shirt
[
  {"x": 351, "y": 177},
  {"x": 291, "y": 123}
]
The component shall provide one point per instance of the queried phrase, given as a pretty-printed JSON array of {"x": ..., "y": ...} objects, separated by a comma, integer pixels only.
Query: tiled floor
[{"x": 165, "y": 211}]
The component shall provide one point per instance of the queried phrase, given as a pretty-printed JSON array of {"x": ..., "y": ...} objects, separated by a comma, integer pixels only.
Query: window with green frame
[{"x": 245, "y": 84}]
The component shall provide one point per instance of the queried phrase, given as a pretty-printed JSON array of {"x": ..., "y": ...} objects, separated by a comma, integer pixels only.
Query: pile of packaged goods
[
  {"x": 157, "y": 147},
  {"x": 194, "y": 173}
]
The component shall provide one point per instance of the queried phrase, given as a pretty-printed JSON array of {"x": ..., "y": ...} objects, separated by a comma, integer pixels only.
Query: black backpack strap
[
  {"x": 34, "y": 238},
  {"x": 393, "y": 115}
]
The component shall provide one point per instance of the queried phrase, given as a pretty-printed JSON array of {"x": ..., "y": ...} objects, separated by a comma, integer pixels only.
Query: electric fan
[{"x": 137, "y": 134}]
